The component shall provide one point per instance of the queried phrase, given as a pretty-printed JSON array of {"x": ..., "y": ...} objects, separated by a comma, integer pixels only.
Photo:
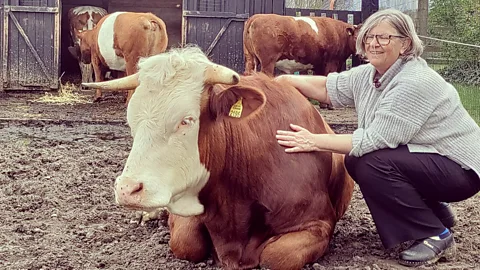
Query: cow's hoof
[{"x": 142, "y": 217}]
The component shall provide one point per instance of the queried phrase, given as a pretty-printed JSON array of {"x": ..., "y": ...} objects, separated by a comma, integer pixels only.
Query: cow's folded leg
[
  {"x": 189, "y": 239},
  {"x": 294, "y": 250}
]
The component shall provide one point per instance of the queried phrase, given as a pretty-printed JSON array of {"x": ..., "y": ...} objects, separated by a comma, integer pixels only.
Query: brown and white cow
[
  {"x": 297, "y": 43},
  {"x": 119, "y": 41},
  {"x": 204, "y": 147},
  {"x": 80, "y": 19}
]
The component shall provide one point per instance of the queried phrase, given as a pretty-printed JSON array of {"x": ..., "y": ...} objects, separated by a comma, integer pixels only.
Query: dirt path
[{"x": 57, "y": 167}]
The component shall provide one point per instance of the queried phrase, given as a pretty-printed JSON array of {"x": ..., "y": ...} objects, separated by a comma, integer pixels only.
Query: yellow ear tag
[{"x": 236, "y": 109}]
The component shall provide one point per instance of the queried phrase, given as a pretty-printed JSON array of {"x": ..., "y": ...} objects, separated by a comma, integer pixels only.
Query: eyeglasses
[{"x": 383, "y": 40}]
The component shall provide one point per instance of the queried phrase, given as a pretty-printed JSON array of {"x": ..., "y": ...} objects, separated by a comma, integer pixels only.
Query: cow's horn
[
  {"x": 219, "y": 74},
  {"x": 125, "y": 83}
]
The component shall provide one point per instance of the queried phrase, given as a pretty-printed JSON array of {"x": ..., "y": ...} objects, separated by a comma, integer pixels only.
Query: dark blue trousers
[{"x": 398, "y": 187}]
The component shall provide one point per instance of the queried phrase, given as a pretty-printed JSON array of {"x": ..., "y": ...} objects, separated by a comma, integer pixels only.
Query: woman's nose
[{"x": 374, "y": 42}]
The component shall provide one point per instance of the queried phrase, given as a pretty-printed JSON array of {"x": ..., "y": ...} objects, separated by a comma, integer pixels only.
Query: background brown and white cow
[
  {"x": 204, "y": 147},
  {"x": 119, "y": 41},
  {"x": 297, "y": 43},
  {"x": 80, "y": 19}
]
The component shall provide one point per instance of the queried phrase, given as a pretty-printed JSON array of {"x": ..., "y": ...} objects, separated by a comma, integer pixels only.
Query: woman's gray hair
[{"x": 398, "y": 20}]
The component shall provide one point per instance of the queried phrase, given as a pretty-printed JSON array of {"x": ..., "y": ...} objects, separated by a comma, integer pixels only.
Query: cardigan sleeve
[{"x": 339, "y": 88}]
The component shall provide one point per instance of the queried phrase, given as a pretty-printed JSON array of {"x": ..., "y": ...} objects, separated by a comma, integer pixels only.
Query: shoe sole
[{"x": 448, "y": 254}]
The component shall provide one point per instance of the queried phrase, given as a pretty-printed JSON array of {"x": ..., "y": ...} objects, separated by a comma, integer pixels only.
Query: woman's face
[{"x": 383, "y": 46}]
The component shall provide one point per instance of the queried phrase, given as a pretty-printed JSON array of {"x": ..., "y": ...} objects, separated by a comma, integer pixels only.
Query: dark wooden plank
[
  {"x": 343, "y": 16},
  {"x": 34, "y": 9},
  {"x": 357, "y": 18},
  {"x": 49, "y": 43},
  {"x": 238, "y": 56},
  {"x": 2, "y": 48},
  {"x": 225, "y": 45},
  {"x": 5, "y": 48},
  {"x": 278, "y": 7},
  {"x": 368, "y": 8},
  {"x": 268, "y": 8},
  {"x": 40, "y": 34},
  {"x": 209, "y": 14},
  {"x": 257, "y": 7},
  {"x": 32, "y": 68},
  {"x": 153, "y": 4},
  {"x": 15, "y": 46}
]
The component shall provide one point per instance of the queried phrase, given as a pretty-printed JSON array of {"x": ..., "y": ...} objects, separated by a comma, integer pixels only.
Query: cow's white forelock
[{"x": 179, "y": 67}]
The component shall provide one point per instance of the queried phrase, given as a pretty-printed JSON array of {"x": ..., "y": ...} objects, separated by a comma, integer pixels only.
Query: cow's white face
[{"x": 164, "y": 168}]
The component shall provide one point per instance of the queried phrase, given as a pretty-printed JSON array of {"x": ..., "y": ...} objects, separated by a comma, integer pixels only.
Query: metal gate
[
  {"x": 30, "y": 44},
  {"x": 217, "y": 26}
]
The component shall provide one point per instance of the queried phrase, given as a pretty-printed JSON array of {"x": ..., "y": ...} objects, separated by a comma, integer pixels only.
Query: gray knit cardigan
[{"x": 410, "y": 105}]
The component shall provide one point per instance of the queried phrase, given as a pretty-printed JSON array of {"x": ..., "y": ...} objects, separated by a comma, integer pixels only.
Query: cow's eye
[{"x": 185, "y": 123}]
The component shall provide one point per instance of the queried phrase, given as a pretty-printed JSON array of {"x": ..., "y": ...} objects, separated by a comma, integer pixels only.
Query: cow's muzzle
[{"x": 128, "y": 192}]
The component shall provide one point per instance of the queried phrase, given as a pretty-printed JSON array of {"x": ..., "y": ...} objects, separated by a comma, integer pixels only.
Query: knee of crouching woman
[{"x": 360, "y": 168}]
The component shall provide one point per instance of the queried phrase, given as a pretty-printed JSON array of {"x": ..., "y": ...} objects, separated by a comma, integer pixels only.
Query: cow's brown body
[
  {"x": 269, "y": 38},
  {"x": 262, "y": 205},
  {"x": 136, "y": 35}
]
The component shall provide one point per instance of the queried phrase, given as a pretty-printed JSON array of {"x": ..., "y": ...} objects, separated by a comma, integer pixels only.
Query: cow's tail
[
  {"x": 251, "y": 60},
  {"x": 157, "y": 34}
]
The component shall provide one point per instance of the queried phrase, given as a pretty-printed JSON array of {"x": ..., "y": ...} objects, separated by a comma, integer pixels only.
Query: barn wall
[
  {"x": 170, "y": 11},
  {"x": 29, "y": 45}
]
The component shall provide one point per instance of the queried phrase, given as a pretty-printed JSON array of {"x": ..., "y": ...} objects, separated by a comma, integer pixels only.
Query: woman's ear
[{"x": 407, "y": 43}]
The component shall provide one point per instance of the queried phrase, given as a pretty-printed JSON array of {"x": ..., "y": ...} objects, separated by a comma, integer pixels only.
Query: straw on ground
[{"x": 67, "y": 94}]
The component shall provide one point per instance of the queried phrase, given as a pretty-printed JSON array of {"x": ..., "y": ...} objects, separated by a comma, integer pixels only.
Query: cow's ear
[
  {"x": 351, "y": 30},
  {"x": 237, "y": 102}
]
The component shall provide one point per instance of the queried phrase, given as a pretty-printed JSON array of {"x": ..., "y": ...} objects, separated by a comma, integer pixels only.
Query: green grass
[{"x": 470, "y": 96}]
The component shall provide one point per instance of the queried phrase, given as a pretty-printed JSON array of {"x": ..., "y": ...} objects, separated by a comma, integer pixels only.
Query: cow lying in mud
[{"x": 204, "y": 148}]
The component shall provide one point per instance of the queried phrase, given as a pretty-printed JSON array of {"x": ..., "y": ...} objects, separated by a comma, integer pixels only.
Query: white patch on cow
[
  {"x": 290, "y": 66},
  {"x": 163, "y": 115},
  {"x": 310, "y": 22},
  {"x": 105, "y": 43}
]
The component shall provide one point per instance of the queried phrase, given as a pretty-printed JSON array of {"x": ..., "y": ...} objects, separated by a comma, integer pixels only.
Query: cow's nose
[
  {"x": 132, "y": 189},
  {"x": 129, "y": 193}
]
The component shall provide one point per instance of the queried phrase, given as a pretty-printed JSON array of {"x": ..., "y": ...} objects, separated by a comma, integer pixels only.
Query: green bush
[
  {"x": 456, "y": 20},
  {"x": 465, "y": 72}
]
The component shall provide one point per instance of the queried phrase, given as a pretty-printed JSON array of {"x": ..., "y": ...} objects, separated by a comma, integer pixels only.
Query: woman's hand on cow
[{"x": 298, "y": 140}]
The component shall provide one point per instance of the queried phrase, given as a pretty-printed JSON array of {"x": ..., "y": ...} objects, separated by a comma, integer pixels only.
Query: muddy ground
[{"x": 57, "y": 167}]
